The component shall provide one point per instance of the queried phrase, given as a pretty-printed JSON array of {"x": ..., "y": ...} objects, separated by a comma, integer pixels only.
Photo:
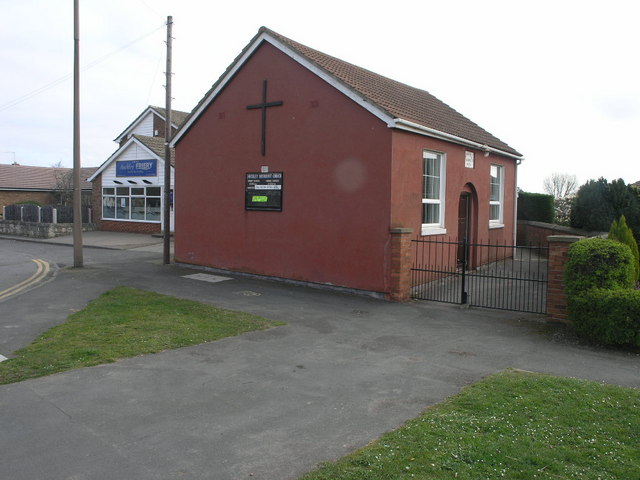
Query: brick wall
[
  {"x": 11, "y": 197},
  {"x": 556, "y": 296},
  {"x": 132, "y": 227},
  {"x": 400, "y": 290},
  {"x": 536, "y": 233}
]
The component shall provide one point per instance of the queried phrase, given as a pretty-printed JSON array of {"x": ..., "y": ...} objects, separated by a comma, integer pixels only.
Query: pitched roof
[
  {"x": 177, "y": 119},
  {"x": 400, "y": 105},
  {"x": 26, "y": 177},
  {"x": 154, "y": 144}
]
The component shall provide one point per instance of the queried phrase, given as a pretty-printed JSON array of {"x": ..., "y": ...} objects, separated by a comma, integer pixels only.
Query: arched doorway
[{"x": 467, "y": 225}]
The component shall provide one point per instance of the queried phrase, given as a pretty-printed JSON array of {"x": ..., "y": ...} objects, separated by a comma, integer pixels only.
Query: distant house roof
[
  {"x": 399, "y": 105},
  {"x": 177, "y": 119},
  {"x": 29, "y": 178},
  {"x": 154, "y": 145}
]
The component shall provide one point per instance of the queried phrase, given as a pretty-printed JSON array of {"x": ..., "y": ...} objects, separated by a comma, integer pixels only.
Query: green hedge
[
  {"x": 598, "y": 263},
  {"x": 599, "y": 280},
  {"x": 609, "y": 316},
  {"x": 537, "y": 207}
]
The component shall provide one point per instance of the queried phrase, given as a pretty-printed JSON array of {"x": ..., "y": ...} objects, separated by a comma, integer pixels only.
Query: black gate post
[{"x": 463, "y": 290}]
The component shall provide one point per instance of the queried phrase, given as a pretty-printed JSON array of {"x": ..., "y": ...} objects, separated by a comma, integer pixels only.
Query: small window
[
  {"x": 496, "y": 198},
  {"x": 433, "y": 192},
  {"x": 153, "y": 191}
]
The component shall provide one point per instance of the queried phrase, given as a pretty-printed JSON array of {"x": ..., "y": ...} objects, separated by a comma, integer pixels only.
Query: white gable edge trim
[
  {"x": 138, "y": 120},
  {"x": 412, "y": 127},
  {"x": 118, "y": 152},
  {"x": 265, "y": 36}
]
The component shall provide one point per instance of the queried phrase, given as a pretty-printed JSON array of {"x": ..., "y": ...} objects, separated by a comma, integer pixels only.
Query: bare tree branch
[{"x": 560, "y": 185}]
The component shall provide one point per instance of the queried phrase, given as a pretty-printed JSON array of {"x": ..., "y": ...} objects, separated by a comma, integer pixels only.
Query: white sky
[{"x": 557, "y": 80}]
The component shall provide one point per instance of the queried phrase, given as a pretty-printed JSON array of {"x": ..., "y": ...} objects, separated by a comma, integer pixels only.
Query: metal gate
[{"x": 506, "y": 277}]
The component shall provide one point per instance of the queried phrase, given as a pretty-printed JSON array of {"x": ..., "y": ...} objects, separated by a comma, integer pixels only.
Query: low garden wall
[
  {"x": 39, "y": 230},
  {"x": 536, "y": 233}
]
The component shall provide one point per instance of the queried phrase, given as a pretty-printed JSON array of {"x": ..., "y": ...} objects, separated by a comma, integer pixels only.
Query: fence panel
[
  {"x": 499, "y": 276},
  {"x": 12, "y": 212},
  {"x": 30, "y": 213}
]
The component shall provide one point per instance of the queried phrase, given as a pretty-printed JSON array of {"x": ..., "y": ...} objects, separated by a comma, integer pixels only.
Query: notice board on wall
[{"x": 263, "y": 191}]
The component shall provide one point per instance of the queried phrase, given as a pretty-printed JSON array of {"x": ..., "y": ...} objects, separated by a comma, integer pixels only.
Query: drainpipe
[{"x": 515, "y": 203}]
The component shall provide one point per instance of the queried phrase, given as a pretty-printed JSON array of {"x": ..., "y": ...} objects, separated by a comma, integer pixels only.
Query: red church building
[{"x": 299, "y": 165}]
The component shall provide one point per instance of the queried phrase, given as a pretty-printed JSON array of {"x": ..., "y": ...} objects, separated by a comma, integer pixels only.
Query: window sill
[
  {"x": 433, "y": 231},
  {"x": 496, "y": 225},
  {"x": 129, "y": 220}
]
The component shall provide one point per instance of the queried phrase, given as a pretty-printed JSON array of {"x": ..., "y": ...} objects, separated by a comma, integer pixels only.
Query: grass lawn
[
  {"x": 512, "y": 425},
  {"x": 125, "y": 322}
]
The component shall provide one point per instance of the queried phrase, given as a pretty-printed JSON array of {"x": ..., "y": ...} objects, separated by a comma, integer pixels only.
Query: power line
[{"x": 27, "y": 96}]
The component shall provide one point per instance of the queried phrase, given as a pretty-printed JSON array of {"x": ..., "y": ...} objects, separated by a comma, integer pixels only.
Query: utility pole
[
  {"x": 77, "y": 198},
  {"x": 167, "y": 151}
]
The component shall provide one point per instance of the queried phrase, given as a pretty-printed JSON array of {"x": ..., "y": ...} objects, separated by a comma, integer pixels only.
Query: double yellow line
[{"x": 41, "y": 273}]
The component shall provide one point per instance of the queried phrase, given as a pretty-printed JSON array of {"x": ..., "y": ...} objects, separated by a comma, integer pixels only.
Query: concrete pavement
[
  {"x": 102, "y": 239},
  {"x": 264, "y": 405}
]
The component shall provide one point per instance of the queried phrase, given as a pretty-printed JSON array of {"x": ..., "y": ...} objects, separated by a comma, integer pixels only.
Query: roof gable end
[
  {"x": 177, "y": 118},
  {"x": 398, "y": 105},
  {"x": 152, "y": 145}
]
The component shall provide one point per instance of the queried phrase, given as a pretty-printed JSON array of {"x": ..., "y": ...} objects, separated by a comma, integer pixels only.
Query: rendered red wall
[
  {"x": 406, "y": 197},
  {"x": 334, "y": 226}
]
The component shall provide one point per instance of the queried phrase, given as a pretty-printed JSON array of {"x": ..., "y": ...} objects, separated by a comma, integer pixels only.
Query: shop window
[{"x": 132, "y": 203}]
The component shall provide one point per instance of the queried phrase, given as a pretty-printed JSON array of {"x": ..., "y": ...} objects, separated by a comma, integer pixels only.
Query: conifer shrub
[{"x": 621, "y": 232}]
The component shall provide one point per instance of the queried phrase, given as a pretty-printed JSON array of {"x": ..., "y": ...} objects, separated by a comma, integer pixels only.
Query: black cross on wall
[{"x": 263, "y": 106}]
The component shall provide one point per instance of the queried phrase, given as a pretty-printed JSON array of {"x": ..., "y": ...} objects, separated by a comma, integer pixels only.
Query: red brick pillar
[
  {"x": 556, "y": 296},
  {"x": 400, "y": 264}
]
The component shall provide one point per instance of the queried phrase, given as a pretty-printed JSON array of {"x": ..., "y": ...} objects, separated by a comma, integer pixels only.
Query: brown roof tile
[
  {"x": 397, "y": 99},
  {"x": 25, "y": 177},
  {"x": 156, "y": 145}
]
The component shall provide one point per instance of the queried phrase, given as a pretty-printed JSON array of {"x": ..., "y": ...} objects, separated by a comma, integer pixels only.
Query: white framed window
[
  {"x": 433, "y": 192},
  {"x": 131, "y": 203},
  {"x": 496, "y": 196}
]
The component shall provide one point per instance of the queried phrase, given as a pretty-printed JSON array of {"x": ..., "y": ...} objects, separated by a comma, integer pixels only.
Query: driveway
[{"x": 264, "y": 405}]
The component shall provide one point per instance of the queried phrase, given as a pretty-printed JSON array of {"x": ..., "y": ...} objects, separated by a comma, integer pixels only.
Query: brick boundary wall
[
  {"x": 400, "y": 290},
  {"x": 536, "y": 233},
  {"x": 556, "y": 295}
]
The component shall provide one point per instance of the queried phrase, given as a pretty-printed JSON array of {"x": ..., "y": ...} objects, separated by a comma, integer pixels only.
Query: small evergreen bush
[
  {"x": 611, "y": 316},
  {"x": 598, "y": 263},
  {"x": 621, "y": 232}
]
